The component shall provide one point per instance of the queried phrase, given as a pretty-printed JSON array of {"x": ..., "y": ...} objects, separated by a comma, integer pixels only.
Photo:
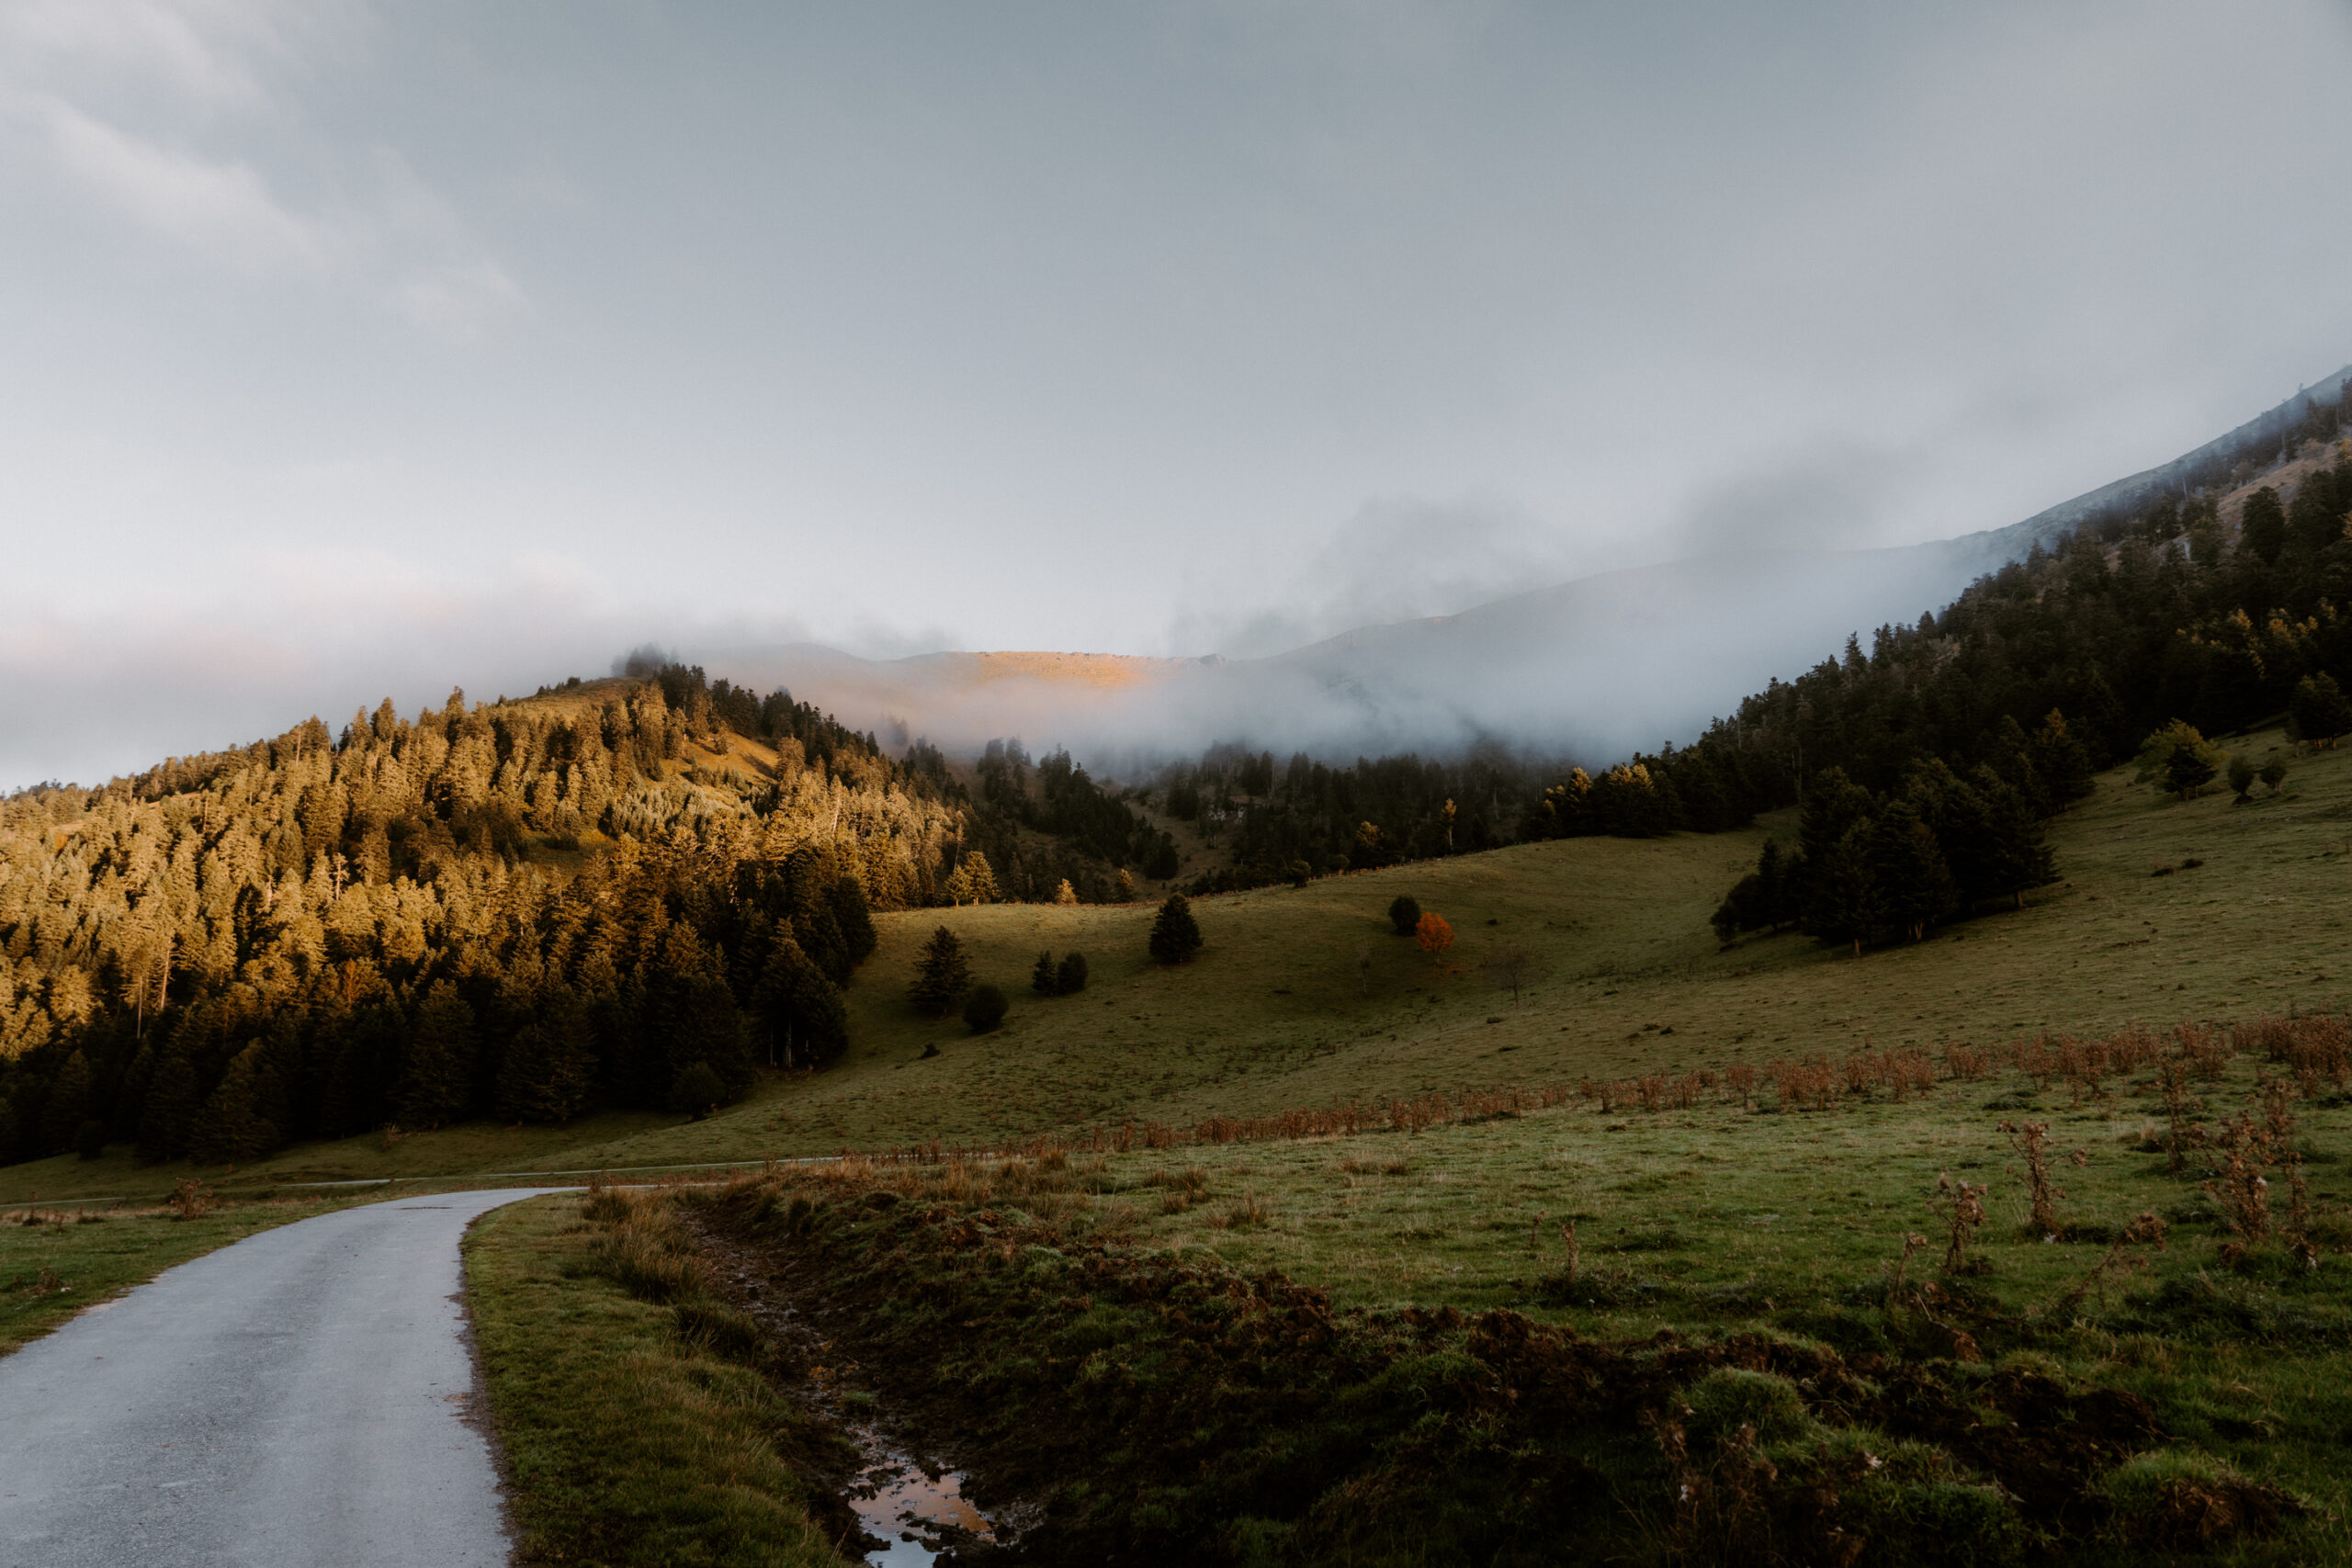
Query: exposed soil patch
[{"x": 1134, "y": 1407}]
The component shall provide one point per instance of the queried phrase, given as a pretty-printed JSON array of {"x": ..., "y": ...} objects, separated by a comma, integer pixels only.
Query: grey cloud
[
  {"x": 1394, "y": 561},
  {"x": 1830, "y": 496}
]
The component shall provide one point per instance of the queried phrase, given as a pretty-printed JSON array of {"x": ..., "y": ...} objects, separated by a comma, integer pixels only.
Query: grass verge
[{"x": 636, "y": 1423}]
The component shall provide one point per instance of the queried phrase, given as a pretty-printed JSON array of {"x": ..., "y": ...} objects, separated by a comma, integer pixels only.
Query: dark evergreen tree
[
  {"x": 2061, "y": 760},
  {"x": 1175, "y": 935},
  {"x": 2262, "y": 525},
  {"x": 1913, "y": 885},
  {"x": 702, "y": 1023},
  {"x": 2317, "y": 520},
  {"x": 852, "y": 918},
  {"x": 548, "y": 1067},
  {"x": 2319, "y": 712},
  {"x": 802, "y": 1015},
  {"x": 1163, "y": 861},
  {"x": 942, "y": 975},
  {"x": 1842, "y": 898},
  {"x": 228, "y": 1128},
  {"x": 71, "y": 1096},
  {"x": 2012, "y": 856},
  {"x": 1043, "y": 979},
  {"x": 437, "y": 1075},
  {"x": 1404, "y": 914},
  {"x": 1071, "y": 978},
  {"x": 171, "y": 1106}
]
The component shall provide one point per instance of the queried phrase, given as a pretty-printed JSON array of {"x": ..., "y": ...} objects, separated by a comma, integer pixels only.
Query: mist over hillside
[{"x": 1592, "y": 669}]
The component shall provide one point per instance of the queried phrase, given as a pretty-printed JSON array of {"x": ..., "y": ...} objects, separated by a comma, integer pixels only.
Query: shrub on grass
[
  {"x": 2179, "y": 760},
  {"x": 1434, "y": 935},
  {"x": 1071, "y": 978},
  {"x": 984, "y": 1009},
  {"x": 1043, "y": 977},
  {"x": 1404, "y": 914},
  {"x": 697, "y": 1091}
]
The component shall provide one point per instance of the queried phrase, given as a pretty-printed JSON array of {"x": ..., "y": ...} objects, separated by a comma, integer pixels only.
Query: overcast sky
[{"x": 349, "y": 348}]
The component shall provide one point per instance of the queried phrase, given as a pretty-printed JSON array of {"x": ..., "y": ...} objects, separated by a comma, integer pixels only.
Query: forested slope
[{"x": 626, "y": 894}]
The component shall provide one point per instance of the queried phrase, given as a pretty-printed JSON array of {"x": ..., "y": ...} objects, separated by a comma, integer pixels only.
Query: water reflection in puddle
[
  {"x": 898, "y": 1503},
  {"x": 917, "y": 1516}
]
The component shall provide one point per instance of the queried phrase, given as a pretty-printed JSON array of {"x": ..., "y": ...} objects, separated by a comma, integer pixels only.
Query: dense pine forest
[{"x": 629, "y": 893}]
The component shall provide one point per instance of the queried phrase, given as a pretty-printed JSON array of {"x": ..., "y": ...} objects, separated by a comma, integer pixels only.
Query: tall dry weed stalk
[
  {"x": 1960, "y": 1207},
  {"x": 191, "y": 1200},
  {"x": 1898, "y": 1271},
  {"x": 2031, "y": 1141},
  {"x": 2208, "y": 1051},
  {"x": 2240, "y": 1187},
  {"x": 1967, "y": 1063},
  {"x": 2146, "y": 1229}
]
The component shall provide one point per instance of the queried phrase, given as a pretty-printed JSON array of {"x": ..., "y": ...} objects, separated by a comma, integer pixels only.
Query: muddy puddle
[
  {"x": 919, "y": 1515},
  {"x": 901, "y": 1497}
]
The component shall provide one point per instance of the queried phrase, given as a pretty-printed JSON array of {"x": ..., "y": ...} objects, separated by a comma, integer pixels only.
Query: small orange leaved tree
[{"x": 1434, "y": 935}]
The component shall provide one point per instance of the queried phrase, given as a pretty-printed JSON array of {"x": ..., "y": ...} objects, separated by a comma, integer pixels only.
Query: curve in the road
[{"x": 305, "y": 1396}]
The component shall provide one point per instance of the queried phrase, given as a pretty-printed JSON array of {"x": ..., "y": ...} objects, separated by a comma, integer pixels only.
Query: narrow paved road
[{"x": 302, "y": 1397}]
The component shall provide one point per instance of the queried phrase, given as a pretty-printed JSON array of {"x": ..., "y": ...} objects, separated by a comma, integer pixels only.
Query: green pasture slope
[{"x": 1275, "y": 1012}]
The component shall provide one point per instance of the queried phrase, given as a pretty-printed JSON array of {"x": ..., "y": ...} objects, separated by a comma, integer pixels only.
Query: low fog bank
[{"x": 1587, "y": 670}]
